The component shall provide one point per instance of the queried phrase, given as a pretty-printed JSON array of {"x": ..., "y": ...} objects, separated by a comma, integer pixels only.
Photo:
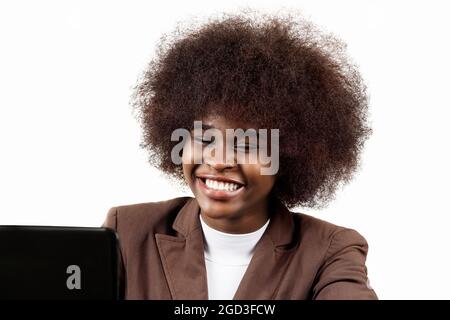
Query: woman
[{"x": 236, "y": 238}]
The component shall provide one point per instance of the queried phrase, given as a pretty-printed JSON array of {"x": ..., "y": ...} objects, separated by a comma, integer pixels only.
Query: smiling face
[{"x": 233, "y": 196}]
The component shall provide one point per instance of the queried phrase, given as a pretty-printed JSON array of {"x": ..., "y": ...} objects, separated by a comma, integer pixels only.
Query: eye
[
  {"x": 245, "y": 147},
  {"x": 204, "y": 141}
]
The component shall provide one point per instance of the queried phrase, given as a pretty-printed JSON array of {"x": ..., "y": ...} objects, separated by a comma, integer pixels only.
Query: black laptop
[{"x": 42, "y": 262}]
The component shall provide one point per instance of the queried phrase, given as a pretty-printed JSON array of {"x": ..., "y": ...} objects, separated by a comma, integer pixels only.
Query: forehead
[{"x": 222, "y": 122}]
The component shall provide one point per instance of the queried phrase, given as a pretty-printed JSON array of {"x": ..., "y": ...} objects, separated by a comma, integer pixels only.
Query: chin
[{"x": 218, "y": 210}]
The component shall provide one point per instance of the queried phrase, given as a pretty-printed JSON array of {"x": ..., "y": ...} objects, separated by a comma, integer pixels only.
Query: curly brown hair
[{"x": 275, "y": 71}]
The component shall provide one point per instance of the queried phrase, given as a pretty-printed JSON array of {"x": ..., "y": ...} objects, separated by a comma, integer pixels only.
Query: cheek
[
  {"x": 187, "y": 155},
  {"x": 192, "y": 153},
  {"x": 187, "y": 162},
  {"x": 262, "y": 183},
  {"x": 266, "y": 183},
  {"x": 187, "y": 171}
]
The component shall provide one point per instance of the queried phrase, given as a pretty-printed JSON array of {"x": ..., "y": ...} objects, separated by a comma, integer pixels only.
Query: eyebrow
[
  {"x": 207, "y": 126},
  {"x": 203, "y": 127}
]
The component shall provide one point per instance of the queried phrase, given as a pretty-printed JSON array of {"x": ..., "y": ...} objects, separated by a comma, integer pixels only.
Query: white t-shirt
[{"x": 227, "y": 256}]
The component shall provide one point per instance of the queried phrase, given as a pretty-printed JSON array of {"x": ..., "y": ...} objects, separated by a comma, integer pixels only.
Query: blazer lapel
[
  {"x": 183, "y": 259},
  {"x": 182, "y": 256},
  {"x": 270, "y": 259}
]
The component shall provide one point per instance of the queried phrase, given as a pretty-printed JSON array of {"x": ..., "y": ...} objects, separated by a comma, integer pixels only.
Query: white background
[{"x": 70, "y": 144}]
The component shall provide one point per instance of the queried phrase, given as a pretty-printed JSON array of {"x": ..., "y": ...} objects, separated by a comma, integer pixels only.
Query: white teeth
[{"x": 223, "y": 186}]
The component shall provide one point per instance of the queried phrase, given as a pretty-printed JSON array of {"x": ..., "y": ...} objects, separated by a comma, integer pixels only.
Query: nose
[
  {"x": 219, "y": 160},
  {"x": 219, "y": 166}
]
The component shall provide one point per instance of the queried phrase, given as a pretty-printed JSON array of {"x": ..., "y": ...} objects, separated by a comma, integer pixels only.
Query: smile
[
  {"x": 219, "y": 185},
  {"x": 218, "y": 189}
]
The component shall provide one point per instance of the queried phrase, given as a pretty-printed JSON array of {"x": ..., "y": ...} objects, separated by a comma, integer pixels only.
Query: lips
[
  {"x": 219, "y": 179},
  {"x": 219, "y": 188}
]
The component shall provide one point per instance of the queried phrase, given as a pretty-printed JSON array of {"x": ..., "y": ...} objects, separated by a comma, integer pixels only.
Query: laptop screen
[{"x": 43, "y": 262}]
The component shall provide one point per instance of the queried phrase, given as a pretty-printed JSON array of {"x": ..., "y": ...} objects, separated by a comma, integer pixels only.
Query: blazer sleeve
[
  {"x": 111, "y": 219},
  {"x": 343, "y": 275},
  {"x": 111, "y": 223}
]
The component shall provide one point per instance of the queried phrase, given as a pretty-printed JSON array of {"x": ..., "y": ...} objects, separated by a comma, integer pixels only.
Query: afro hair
[{"x": 274, "y": 71}]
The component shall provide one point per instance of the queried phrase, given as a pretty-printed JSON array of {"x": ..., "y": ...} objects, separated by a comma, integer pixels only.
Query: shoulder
[
  {"x": 327, "y": 237},
  {"x": 157, "y": 216},
  {"x": 339, "y": 257}
]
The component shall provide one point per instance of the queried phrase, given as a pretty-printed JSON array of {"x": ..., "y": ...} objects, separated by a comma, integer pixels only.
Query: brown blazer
[{"x": 298, "y": 256}]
